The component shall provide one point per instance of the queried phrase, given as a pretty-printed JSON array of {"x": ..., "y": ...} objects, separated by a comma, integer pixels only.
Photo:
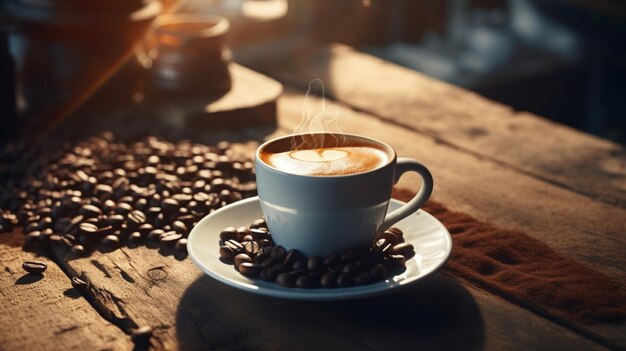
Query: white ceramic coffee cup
[{"x": 320, "y": 215}]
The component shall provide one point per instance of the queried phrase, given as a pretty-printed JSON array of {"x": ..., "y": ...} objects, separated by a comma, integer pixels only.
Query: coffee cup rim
[{"x": 276, "y": 170}]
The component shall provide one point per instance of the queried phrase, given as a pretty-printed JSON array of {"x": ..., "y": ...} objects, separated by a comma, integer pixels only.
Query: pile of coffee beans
[
  {"x": 101, "y": 193},
  {"x": 253, "y": 254}
]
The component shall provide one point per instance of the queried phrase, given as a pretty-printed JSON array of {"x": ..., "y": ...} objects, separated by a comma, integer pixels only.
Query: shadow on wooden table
[{"x": 438, "y": 311}]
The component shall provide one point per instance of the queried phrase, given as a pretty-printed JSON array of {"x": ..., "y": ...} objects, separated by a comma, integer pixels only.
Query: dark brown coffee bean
[
  {"x": 332, "y": 260},
  {"x": 142, "y": 335},
  {"x": 136, "y": 218},
  {"x": 123, "y": 208},
  {"x": 35, "y": 267},
  {"x": 247, "y": 238},
  {"x": 259, "y": 223},
  {"x": 32, "y": 238},
  {"x": 379, "y": 272},
  {"x": 397, "y": 231},
  {"x": 241, "y": 232},
  {"x": 300, "y": 264},
  {"x": 80, "y": 285},
  {"x": 170, "y": 206},
  {"x": 344, "y": 280},
  {"x": 145, "y": 228},
  {"x": 304, "y": 282},
  {"x": 240, "y": 258},
  {"x": 135, "y": 237},
  {"x": 265, "y": 243},
  {"x": 181, "y": 245},
  {"x": 397, "y": 260},
  {"x": 259, "y": 234},
  {"x": 180, "y": 227},
  {"x": 44, "y": 223},
  {"x": 87, "y": 228},
  {"x": 269, "y": 274},
  {"x": 228, "y": 233},
  {"x": 155, "y": 235},
  {"x": 251, "y": 248},
  {"x": 390, "y": 237},
  {"x": 349, "y": 256},
  {"x": 90, "y": 211},
  {"x": 404, "y": 249},
  {"x": 62, "y": 224},
  {"x": 280, "y": 268},
  {"x": 278, "y": 252},
  {"x": 314, "y": 263},
  {"x": 384, "y": 247},
  {"x": 78, "y": 250},
  {"x": 249, "y": 269},
  {"x": 115, "y": 221},
  {"x": 235, "y": 245},
  {"x": 329, "y": 280},
  {"x": 285, "y": 279},
  {"x": 291, "y": 257},
  {"x": 111, "y": 241},
  {"x": 170, "y": 238},
  {"x": 226, "y": 252}
]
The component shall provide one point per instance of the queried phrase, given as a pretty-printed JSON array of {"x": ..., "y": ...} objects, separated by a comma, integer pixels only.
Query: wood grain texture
[
  {"x": 522, "y": 141},
  {"x": 46, "y": 313},
  {"x": 190, "y": 311},
  {"x": 572, "y": 224}
]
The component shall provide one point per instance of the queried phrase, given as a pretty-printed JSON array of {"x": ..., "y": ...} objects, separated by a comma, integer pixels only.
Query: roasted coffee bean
[
  {"x": 278, "y": 252},
  {"x": 379, "y": 272},
  {"x": 344, "y": 280},
  {"x": 242, "y": 257},
  {"x": 123, "y": 208},
  {"x": 80, "y": 285},
  {"x": 241, "y": 232},
  {"x": 170, "y": 238},
  {"x": 136, "y": 218},
  {"x": 90, "y": 211},
  {"x": 397, "y": 260},
  {"x": 170, "y": 206},
  {"x": 404, "y": 249},
  {"x": 291, "y": 257},
  {"x": 251, "y": 248},
  {"x": 115, "y": 221},
  {"x": 269, "y": 274},
  {"x": 258, "y": 233},
  {"x": 285, "y": 279},
  {"x": 181, "y": 245},
  {"x": 247, "y": 238},
  {"x": 32, "y": 238},
  {"x": 279, "y": 267},
  {"x": 329, "y": 280},
  {"x": 390, "y": 237},
  {"x": 226, "y": 252},
  {"x": 265, "y": 243},
  {"x": 142, "y": 335},
  {"x": 156, "y": 234},
  {"x": 314, "y": 263},
  {"x": 235, "y": 245},
  {"x": 145, "y": 228},
  {"x": 106, "y": 230},
  {"x": 87, "y": 228},
  {"x": 397, "y": 231},
  {"x": 259, "y": 223},
  {"x": 179, "y": 227},
  {"x": 249, "y": 269},
  {"x": 111, "y": 241},
  {"x": 78, "y": 250},
  {"x": 332, "y": 260},
  {"x": 384, "y": 247},
  {"x": 349, "y": 256},
  {"x": 300, "y": 264},
  {"x": 35, "y": 267},
  {"x": 304, "y": 282},
  {"x": 135, "y": 237}
]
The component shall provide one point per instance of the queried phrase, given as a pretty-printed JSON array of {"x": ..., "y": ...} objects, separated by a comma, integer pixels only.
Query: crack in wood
[{"x": 101, "y": 268}]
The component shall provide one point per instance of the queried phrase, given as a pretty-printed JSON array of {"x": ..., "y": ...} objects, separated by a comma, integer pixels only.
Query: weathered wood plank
[
  {"x": 47, "y": 313},
  {"x": 525, "y": 142},
  {"x": 190, "y": 311},
  {"x": 587, "y": 230}
]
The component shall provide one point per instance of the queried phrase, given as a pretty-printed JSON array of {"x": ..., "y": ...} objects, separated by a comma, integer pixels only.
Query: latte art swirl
[{"x": 327, "y": 161}]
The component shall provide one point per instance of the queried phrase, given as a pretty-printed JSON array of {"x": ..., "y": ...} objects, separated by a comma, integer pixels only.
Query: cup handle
[{"x": 405, "y": 165}]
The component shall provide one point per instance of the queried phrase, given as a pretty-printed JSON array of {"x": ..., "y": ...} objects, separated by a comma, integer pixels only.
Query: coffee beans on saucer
[{"x": 242, "y": 247}]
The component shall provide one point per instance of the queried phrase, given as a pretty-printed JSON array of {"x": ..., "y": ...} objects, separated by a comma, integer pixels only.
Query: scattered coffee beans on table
[
  {"x": 103, "y": 194},
  {"x": 252, "y": 253}
]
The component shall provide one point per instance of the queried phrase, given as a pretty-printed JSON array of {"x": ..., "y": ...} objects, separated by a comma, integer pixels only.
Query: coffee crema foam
[{"x": 327, "y": 161}]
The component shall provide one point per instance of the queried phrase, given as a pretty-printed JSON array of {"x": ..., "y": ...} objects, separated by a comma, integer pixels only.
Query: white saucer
[{"x": 430, "y": 238}]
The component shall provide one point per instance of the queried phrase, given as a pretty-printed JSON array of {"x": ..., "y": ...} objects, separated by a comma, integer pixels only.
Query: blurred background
[{"x": 562, "y": 59}]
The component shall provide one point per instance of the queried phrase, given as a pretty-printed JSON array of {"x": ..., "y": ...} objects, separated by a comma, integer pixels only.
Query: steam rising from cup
[{"x": 317, "y": 122}]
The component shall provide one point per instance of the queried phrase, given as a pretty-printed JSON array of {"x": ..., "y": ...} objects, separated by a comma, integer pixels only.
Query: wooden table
[{"x": 514, "y": 169}]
